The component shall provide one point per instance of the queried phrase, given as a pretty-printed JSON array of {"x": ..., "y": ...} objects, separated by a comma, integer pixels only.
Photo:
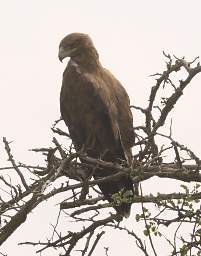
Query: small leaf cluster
[{"x": 122, "y": 197}]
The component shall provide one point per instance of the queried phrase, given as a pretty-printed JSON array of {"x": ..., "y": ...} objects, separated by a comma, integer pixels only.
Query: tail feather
[
  {"x": 124, "y": 209},
  {"x": 119, "y": 192}
]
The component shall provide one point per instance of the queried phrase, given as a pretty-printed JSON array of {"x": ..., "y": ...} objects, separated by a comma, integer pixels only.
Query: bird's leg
[
  {"x": 104, "y": 153},
  {"x": 85, "y": 190},
  {"x": 91, "y": 140},
  {"x": 85, "y": 147}
]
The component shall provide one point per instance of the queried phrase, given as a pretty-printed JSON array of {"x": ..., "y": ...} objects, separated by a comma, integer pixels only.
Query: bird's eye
[
  {"x": 67, "y": 46},
  {"x": 71, "y": 45}
]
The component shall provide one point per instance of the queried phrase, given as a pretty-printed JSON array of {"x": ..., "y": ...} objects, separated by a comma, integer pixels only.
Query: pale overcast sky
[{"x": 129, "y": 35}]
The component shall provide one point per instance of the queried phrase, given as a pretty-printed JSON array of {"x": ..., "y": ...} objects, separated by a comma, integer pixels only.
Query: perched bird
[{"x": 95, "y": 107}]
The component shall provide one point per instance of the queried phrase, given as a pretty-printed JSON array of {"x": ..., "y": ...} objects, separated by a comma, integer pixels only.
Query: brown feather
[{"x": 95, "y": 107}]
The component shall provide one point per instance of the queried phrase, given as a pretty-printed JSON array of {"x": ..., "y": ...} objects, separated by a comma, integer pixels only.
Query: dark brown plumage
[{"x": 95, "y": 107}]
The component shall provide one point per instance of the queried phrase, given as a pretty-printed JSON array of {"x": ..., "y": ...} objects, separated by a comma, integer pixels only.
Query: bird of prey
[{"x": 96, "y": 109}]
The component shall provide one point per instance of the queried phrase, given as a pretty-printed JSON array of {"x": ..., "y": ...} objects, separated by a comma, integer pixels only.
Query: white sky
[{"x": 130, "y": 37}]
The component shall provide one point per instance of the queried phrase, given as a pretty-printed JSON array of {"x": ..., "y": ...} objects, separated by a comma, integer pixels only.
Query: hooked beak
[
  {"x": 65, "y": 52},
  {"x": 62, "y": 53}
]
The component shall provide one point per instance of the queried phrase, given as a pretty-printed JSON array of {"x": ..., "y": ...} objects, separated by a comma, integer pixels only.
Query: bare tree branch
[{"x": 74, "y": 171}]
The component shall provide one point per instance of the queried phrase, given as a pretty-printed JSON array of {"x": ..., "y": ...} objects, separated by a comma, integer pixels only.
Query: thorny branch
[{"x": 20, "y": 194}]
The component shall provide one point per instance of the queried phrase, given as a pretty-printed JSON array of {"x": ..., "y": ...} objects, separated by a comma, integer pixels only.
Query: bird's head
[{"x": 74, "y": 45}]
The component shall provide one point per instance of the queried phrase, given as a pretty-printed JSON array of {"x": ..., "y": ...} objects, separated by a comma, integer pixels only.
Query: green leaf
[{"x": 146, "y": 232}]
